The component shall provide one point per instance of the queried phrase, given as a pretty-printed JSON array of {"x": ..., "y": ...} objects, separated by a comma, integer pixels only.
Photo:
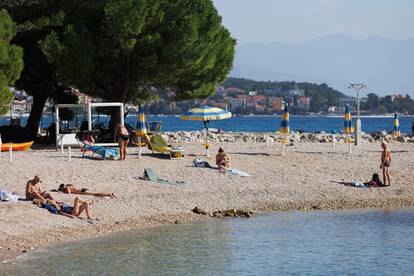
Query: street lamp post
[{"x": 358, "y": 87}]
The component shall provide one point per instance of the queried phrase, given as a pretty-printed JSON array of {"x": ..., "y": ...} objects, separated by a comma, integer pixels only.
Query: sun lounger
[
  {"x": 153, "y": 177},
  {"x": 104, "y": 153},
  {"x": 158, "y": 144}
]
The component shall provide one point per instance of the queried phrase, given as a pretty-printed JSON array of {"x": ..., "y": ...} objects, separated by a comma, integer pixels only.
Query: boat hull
[{"x": 16, "y": 146}]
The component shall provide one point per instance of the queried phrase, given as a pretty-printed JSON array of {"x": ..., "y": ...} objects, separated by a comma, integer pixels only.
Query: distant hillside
[
  {"x": 321, "y": 94},
  {"x": 384, "y": 65}
]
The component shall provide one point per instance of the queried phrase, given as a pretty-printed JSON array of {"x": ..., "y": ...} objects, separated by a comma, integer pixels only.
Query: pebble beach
[{"x": 311, "y": 175}]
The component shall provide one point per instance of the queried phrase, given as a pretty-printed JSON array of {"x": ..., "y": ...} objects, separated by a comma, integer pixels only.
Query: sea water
[
  {"x": 356, "y": 242},
  {"x": 248, "y": 123}
]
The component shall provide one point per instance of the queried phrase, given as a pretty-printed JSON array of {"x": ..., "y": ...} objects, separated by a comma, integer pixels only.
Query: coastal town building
[
  {"x": 347, "y": 101},
  {"x": 303, "y": 103}
]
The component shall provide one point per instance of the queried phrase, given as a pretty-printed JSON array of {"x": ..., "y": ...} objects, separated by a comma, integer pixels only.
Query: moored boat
[{"x": 16, "y": 146}]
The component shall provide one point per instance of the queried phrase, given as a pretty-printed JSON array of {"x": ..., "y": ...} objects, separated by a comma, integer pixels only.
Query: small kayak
[{"x": 16, "y": 146}]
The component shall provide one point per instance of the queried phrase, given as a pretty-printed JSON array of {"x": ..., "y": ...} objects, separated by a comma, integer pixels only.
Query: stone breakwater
[{"x": 274, "y": 137}]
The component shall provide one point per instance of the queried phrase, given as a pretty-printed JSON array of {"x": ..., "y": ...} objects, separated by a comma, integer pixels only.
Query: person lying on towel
[
  {"x": 79, "y": 206},
  {"x": 72, "y": 189}
]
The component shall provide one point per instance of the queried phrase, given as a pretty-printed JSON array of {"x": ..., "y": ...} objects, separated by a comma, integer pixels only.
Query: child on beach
[{"x": 385, "y": 164}]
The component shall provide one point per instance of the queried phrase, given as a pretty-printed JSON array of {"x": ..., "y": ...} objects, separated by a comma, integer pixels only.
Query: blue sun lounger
[{"x": 104, "y": 153}]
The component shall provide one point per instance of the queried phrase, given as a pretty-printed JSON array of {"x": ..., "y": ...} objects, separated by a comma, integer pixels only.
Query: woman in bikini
[
  {"x": 222, "y": 160},
  {"x": 71, "y": 189},
  {"x": 122, "y": 136},
  {"x": 79, "y": 206}
]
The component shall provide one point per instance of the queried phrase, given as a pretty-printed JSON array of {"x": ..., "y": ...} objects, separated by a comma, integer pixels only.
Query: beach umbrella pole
[
  {"x": 0, "y": 145},
  {"x": 139, "y": 146},
  {"x": 10, "y": 153},
  {"x": 350, "y": 147},
  {"x": 283, "y": 149},
  {"x": 206, "y": 126},
  {"x": 333, "y": 140}
]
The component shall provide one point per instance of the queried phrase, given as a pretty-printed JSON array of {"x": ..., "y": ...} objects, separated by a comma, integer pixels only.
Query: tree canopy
[
  {"x": 122, "y": 50},
  {"x": 11, "y": 60}
]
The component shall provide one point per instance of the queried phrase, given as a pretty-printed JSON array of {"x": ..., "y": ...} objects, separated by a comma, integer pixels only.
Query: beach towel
[
  {"x": 50, "y": 208},
  {"x": 236, "y": 172},
  {"x": 149, "y": 174}
]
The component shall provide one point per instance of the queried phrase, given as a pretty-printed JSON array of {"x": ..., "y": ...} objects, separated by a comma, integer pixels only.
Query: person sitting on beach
[
  {"x": 79, "y": 206},
  {"x": 87, "y": 138},
  {"x": 122, "y": 137},
  {"x": 34, "y": 191},
  {"x": 385, "y": 164},
  {"x": 71, "y": 189},
  {"x": 222, "y": 160}
]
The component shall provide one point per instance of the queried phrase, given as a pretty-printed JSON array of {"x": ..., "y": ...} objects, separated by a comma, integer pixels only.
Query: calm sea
[
  {"x": 253, "y": 123},
  {"x": 356, "y": 242}
]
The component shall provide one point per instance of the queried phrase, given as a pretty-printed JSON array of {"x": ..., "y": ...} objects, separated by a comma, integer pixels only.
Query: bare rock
[{"x": 199, "y": 211}]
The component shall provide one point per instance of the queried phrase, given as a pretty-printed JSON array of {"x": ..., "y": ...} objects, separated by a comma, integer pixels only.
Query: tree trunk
[
  {"x": 35, "y": 116},
  {"x": 123, "y": 93}
]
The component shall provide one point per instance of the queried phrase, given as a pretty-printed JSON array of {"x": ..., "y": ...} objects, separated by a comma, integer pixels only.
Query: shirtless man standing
[
  {"x": 385, "y": 164},
  {"x": 33, "y": 190}
]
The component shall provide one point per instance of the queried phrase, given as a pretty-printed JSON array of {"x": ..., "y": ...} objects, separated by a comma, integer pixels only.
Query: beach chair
[
  {"x": 158, "y": 144},
  {"x": 104, "y": 153},
  {"x": 153, "y": 177}
]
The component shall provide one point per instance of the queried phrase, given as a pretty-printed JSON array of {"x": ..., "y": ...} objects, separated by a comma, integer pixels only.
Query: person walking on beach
[
  {"x": 34, "y": 191},
  {"x": 122, "y": 136},
  {"x": 222, "y": 160},
  {"x": 385, "y": 164}
]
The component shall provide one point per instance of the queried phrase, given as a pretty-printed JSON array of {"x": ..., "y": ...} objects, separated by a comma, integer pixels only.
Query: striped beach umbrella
[
  {"x": 206, "y": 114},
  {"x": 284, "y": 126},
  {"x": 141, "y": 129},
  {"x": 396, "y": 131},
  {"x": 348, "y": 129}
]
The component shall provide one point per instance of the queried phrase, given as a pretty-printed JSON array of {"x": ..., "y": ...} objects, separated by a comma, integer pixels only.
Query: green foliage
[
  {"x": 35, "y": 19},
  {"x": 121, "y": 49},
  {"x": 11, "y": 60}
]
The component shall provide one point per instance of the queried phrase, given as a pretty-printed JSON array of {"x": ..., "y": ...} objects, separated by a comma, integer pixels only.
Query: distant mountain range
[{"x": 386, "y": 66}]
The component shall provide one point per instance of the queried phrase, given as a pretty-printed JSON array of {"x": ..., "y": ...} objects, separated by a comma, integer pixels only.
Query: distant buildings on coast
[
  {"x": 236, "y": 100},
  {"x": 264, "y": 102}
]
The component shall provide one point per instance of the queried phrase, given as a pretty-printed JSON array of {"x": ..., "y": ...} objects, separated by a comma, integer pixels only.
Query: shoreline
[
  {"x": 7, "y": 256},
  {"x": 307, "y": 178}
]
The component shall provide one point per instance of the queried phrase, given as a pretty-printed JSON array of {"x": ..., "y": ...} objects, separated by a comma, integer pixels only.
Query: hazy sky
[{"x": 301, "y": 20}]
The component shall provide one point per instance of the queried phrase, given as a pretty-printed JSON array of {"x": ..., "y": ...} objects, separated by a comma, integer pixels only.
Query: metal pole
[
  {"x": 358, "y": 126},
  {"x": 10, "y": 153},
  {"x": 57, "y": 127},
  {"x": 139, "y": 146},
  {"x": 358, "y": 103}
]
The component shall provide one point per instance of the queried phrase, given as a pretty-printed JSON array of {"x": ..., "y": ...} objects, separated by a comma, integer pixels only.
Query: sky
[{"x": 294, "y": 21}]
